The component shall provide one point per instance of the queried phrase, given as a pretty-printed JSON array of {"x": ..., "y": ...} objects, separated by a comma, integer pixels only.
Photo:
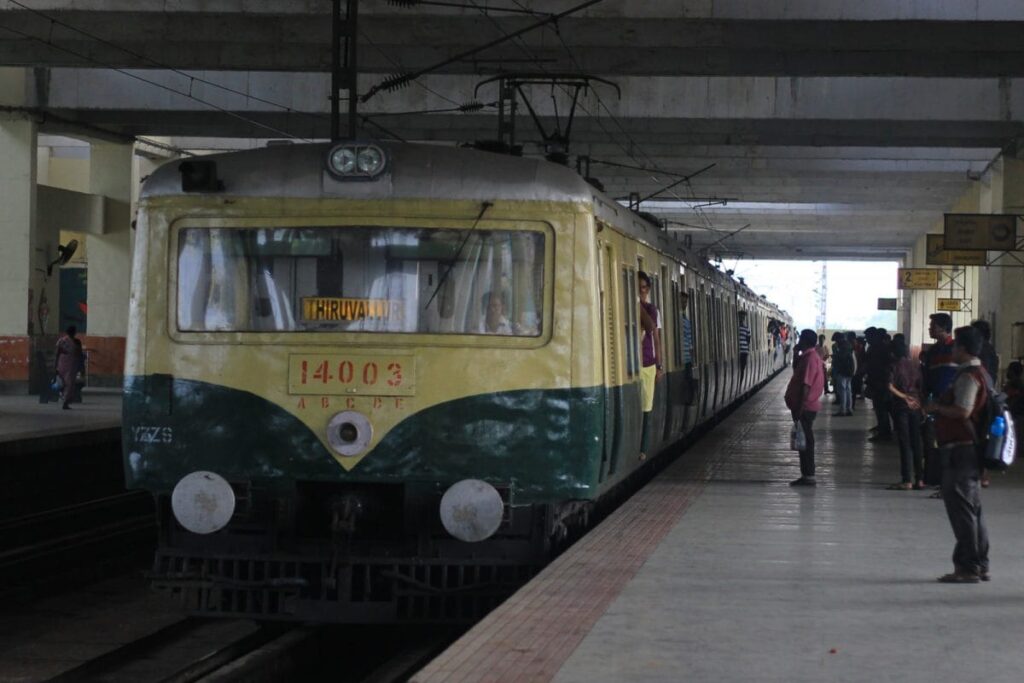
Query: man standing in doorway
[
  {"x": 803, "y": 398},
  {"x": 958, "y": 421},
  {"x": 744, "y": 342}
]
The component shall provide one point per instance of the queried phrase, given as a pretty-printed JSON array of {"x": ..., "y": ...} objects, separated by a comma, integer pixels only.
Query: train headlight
[
  {"x": 203, "y": 502},
  {"x": 471, "y": 510},
  {"x": 353, "y": 160},
  {"x": 370, "y": 160},
  {"x": 343, "y": 160}
]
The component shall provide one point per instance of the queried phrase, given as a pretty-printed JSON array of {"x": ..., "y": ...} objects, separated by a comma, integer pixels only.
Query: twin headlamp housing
[{"x": 356, "y": 160}]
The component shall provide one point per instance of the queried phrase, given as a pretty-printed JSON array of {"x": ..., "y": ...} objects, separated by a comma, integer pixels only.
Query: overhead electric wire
[
  {"x": 702, "y": 216},
  {"x": 158, "y": 85},
  {"x": 404, "y": 79},
  {"x": 157, "y": 63}
]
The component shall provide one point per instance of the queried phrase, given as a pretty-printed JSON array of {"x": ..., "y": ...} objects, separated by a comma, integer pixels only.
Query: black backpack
[{"x": 997, "y": 452}]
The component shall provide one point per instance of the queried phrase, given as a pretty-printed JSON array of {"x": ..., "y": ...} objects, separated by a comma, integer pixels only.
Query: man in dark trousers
[
  {"x": 958, "y": 422},
  {"x": 937, "y": 370},
  {"x": 988, "y": 357},
  {"x": 877, "y": 381},
  {"x": 803, "y": 398}
]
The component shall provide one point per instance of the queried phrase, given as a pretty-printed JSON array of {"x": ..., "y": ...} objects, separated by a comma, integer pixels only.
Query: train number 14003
[{"x": 337, "y": 374}]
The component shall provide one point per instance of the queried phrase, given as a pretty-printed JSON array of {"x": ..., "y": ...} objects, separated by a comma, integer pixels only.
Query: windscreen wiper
[{"x": 458, "y": 252}]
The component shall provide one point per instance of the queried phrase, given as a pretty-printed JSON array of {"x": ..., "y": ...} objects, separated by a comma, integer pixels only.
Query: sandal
[
  {"x": 937, "y": 494},
  {"x": 900, "y": 486}
]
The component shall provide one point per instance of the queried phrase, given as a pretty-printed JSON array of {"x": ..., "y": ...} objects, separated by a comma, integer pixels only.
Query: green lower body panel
[{"x": 545, "y": 444}]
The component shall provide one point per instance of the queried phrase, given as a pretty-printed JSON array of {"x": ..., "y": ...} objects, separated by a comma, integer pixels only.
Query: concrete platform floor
[
  {"x": 22, "y": 417},
  {"x": 756, "y": 581}
]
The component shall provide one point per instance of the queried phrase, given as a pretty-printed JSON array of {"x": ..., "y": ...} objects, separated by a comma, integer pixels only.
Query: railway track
[
  {"x": 205, "y": 645},
  {"x": 74, "y": 543}
]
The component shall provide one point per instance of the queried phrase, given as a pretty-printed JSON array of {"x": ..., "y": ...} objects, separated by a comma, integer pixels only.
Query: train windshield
[{"x": 361, "y": 279}]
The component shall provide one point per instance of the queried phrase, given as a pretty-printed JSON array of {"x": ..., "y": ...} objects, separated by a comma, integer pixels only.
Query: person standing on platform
[
  {"x": 958, "y": 421},
  {"x": 68, "y": 362},
  {"x": 843, "y": 367},
  {"x": 860, "y": 361},
  {"x": 937, "y": 371},
  {"x": 905, "y": 386},
  {"x": 877, "y": 381},
  {"x": 743, "y": 332},
  {"x": 988, "y": 357},
  {"x": 826, "y": 354},
  {"x": 990, "y": 361},
  {"x": 803, "y": 398}
]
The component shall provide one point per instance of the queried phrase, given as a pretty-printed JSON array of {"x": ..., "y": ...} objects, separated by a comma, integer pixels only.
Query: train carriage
[{"x": 376, "y": 382}]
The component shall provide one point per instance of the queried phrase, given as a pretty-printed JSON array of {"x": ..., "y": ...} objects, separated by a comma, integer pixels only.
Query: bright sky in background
[{"x": 854, "y": 288}]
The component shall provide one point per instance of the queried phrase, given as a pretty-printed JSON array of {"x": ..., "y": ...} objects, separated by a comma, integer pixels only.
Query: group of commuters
[{"x": 933, "y": 406}]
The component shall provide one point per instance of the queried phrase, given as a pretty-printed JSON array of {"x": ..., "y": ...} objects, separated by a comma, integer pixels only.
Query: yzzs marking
[{"x": 146, "y": 434}]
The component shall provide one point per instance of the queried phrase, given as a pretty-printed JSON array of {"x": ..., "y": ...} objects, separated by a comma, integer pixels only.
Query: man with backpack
[{"x": 960, "y": 428}]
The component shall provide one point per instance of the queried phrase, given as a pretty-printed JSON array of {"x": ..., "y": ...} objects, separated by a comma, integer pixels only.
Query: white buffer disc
[
  {"x": 471, "y": 510},
  {"x": 203, "y": 502}
]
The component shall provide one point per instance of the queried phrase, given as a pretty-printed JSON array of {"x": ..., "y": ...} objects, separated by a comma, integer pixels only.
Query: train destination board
[
  {"x": 936, "y": 254},
  {"x": 917, "y": 278},
  {"x": 980, "y": 231},
  {"x": 949, "y": 304}
]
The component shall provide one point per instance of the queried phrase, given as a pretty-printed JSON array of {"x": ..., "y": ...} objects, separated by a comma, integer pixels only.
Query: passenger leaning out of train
[
  {"x": 803, "y": 398},
  {"x": 651, "y": 368},
  {"x": 743, "y": 334}
]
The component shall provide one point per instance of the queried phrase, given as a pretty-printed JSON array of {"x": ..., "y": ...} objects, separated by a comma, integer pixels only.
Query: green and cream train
[{"x": 376, "y": 382}]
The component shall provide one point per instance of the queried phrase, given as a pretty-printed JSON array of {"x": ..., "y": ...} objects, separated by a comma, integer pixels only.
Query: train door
[
  {"x": 610, "y": 345},
  {"x": 630, "y": 415},
  {"x": 707, "y": 362}
]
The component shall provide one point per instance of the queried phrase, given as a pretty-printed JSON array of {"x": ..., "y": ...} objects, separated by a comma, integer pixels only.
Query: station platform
[
  {"x": 25, "y": 423},
  {"x": 718, "y": 570}
]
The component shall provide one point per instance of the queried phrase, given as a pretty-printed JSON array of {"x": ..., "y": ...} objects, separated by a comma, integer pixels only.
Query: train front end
[{"x": 354, "y": 398}]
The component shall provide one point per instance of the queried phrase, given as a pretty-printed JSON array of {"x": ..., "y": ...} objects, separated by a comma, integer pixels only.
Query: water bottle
[{"x": 996, "y": 432}]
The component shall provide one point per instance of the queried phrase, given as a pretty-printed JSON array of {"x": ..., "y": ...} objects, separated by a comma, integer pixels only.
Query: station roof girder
[{"x": 849, "y": 108}]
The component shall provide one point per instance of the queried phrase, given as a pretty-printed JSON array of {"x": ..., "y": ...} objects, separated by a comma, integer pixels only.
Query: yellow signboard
[
  {"x": 936, "y": 254},
  {"x": 334, "y": 309},
  {"x": 980, "y": 231},
  {"x": 917, "y": 278},
  {"x": 949, "y": 304}
]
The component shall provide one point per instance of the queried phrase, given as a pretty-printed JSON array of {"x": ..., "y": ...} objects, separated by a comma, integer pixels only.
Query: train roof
[
  {"x": 415, "y": 171},
  {"x": 423, "y": 171}
]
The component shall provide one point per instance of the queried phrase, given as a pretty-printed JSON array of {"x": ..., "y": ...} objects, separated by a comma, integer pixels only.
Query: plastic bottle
[{"x": 996, "y": 433}]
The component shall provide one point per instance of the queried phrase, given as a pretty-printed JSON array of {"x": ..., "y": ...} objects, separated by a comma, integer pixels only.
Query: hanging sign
[
  {"x": 980, "y": 231},
  {"x": 936, "y": 254},
  {"x": 886, "y": 304},
  {"x": 917, "y": 278},
  {"x": 949, "y": 304}
]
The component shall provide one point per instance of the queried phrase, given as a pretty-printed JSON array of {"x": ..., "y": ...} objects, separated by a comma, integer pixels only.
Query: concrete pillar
[
  {"x": 110, "y": 261},
  {"x": 1002, "y": 288},
  {"x": 20, "y": 282}
]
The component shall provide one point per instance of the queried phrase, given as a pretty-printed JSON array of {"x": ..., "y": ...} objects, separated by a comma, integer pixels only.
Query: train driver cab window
[{"x": 361, "y": 279}]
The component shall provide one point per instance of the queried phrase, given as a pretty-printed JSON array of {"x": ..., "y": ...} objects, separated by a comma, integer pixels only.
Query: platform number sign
[{"x": 918, "y": 278}]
